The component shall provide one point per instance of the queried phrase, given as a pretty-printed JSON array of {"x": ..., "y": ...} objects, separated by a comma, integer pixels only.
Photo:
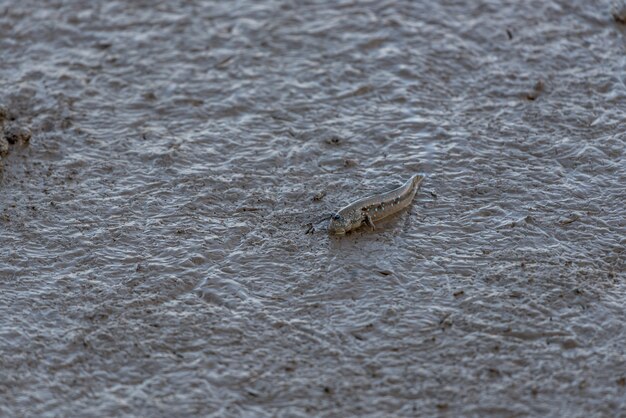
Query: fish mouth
[{"x": 338, "y": 231}]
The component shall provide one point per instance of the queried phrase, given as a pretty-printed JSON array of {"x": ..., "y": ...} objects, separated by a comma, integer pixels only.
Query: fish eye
[{"x": 337, "y": 217}]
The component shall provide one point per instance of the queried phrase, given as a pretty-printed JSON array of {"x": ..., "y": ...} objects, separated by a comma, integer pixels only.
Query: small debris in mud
[
  {"x": 537, "y": 90},
  {"x": 493, "y": 372},
  {"x": 11, "y": 133},
  {"x": 247, "y": 209},
  {"x": 66, "y": 123},
  {"x": 319, "y": 196},
  {"x": 621, "y": 381},
  {"x": 4, "y": 146},
  {"x": 509, "y": 34},
  {"x": 358, "y": 337},
  {"x": 281, "y": 115},
  {"x": 569, "y": 344},
  {"x": 224, "y": 62},
  {"x": 385, "y": 272},
  {"x": 458, "y": 293},
  {"x": 102, "y": 46},
  {"x": 618, "y": 11},
  {"x": 4, "y": 115},
  {"x": 310, "y": 229},
  {"x": 15, "y": 134},
  {"x": 149, "y": 96},
  {"x": 333, "y": 140},
  {"x": 349, "y": 162},
  {"x": 572, "y": 218},
  {"x": 446, "y": 322}
]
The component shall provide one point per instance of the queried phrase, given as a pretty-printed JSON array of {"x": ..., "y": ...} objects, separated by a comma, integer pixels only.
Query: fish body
[{"x": 373, "y": 208}]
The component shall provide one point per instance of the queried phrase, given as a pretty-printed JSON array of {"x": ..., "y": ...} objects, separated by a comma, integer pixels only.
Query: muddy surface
[{"x": 153, "y": 254}]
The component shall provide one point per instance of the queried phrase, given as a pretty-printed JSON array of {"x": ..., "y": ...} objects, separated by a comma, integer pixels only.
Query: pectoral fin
[{"x": 369, "y": 222}]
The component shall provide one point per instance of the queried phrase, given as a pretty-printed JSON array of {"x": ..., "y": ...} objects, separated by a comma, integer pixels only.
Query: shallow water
[{"x": 154, "y": 260}]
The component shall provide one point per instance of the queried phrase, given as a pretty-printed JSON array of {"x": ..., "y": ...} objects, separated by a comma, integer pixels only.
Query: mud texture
[{"x": 153, "y": 254}]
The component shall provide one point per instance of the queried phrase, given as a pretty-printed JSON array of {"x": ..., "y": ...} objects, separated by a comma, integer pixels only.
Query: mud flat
[
  {"x": 154, "y": 259},
  {"x": 11, "y": 134}
]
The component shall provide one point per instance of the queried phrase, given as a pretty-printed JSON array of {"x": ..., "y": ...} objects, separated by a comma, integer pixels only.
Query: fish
[{"x": 374, "y": 208}]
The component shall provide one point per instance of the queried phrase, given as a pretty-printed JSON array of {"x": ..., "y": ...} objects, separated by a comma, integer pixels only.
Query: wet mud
[
  {"x": 154, "y": 254},
  {"x": 11, "y": 134}
]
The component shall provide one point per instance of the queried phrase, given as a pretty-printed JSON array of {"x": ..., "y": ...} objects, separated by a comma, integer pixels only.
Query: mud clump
[
  {"x": 4, "y": 146},
  {"x": 11, "y": 133},
  {"x": 15, "y": 134},
  {"x": 537, "y": 90},
  {"x": 618, "y": 10},
  {"x": 4, "y": 115}
]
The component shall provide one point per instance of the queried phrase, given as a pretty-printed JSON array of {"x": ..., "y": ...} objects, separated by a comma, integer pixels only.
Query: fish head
[{"x": 339, "y": 224}]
